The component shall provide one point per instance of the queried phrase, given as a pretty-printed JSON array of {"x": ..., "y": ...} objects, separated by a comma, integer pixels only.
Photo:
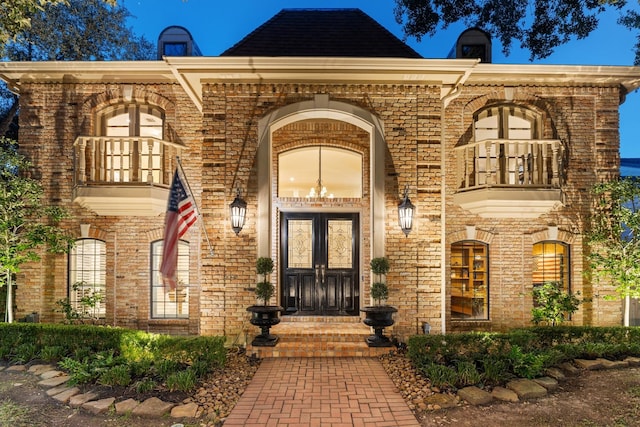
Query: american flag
[{"x": 181, "y": 214}]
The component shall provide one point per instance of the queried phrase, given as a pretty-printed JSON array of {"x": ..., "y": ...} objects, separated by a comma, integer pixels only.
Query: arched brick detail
[
  {"x": 552, "y": 120},
  {"x": 94, "y": 233},
  {"x": 483, "y": 236},
  {"x": 114, "y": 96},
  {"x": 155, "y": 234},
  {"x": 544, "y": 235}
]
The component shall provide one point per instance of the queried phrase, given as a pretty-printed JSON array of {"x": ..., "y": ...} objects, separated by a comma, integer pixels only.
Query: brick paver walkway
[{"x": 329, "y": 392}]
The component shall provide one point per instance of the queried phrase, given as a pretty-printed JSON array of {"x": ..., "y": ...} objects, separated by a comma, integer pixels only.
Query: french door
[{"x": 319, "y": 255}]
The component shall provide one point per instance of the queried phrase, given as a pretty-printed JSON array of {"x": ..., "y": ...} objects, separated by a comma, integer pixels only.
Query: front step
[{"x": 319, "y": 337}]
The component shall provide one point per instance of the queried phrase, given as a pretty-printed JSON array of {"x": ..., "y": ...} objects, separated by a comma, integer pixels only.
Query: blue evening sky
[{"x": 217, "y": 25}]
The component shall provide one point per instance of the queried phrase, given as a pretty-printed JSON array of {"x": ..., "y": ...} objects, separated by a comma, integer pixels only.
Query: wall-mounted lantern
[
  {"x": 405, "y": 212},
  {"x": 238, "y": 210}
]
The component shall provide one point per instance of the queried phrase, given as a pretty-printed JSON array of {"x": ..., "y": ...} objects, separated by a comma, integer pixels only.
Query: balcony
[
  {"x": 123, "y": 176},
  {"x": 509, "y": 178}
]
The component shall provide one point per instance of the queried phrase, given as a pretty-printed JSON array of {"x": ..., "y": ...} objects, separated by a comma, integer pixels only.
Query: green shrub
[
  {"x": 167, "y": 367},
  {"x": 467, "y": 374},
  {"x": 182, "y": 380},
  {"x": 553, "y": 305},
  {"x": 440, "y": 375},
  {"x": 82, "y": 353},
  {"x": 116, "y": 375},
  {"x": 24, "y": 353},
  {"x": 379, "y": 292},
  {"x": 189, "y": 350},
  {"x": 526, "y": 365},
  {"x": 114, "y": 356},
  {"x": 201, "y": 368},
  {"x": 141, "y": 368},
  {"x": 52, "y": 353},
  {"x": 145, "y": 385},
  {"x": 79, "y": 371},
  {"x": 524, "y": 352},
  {"x": 5, "y": 351},
  {"x": 495, "y": 369}
]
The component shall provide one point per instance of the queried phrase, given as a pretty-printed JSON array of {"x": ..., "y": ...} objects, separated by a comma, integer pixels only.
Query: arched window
[
  {"x": 469, "y": 280},
  {"x": 509, "y": 148},
  {"x": 124, "y": 153},
  {"x": 87, "y": 278},
  {"x": 132, "y": 120},
  {"x": 320, "y": 171},
  {"x": 551, "y": 264},
  {"x": 170, "y": 303},
  {"x": 507, "y": 122}
]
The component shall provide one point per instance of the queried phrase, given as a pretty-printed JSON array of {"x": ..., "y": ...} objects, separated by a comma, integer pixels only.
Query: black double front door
[{"x": 320, "y": 263}]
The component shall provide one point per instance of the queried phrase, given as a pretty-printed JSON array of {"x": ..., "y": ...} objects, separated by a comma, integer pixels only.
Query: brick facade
[{"x": 222, "y": 140}]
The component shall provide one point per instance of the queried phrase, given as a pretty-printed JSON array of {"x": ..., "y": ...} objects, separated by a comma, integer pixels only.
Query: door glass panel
[
  {"x": 340, "y": 244},
  {"x": 300, "y": 243}
]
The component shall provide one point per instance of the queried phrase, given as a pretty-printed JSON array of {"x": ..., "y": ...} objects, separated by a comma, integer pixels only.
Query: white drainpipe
[{"x": 453, "y": 94}]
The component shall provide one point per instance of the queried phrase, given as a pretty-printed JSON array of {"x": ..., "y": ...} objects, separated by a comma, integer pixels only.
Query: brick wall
[
  {"x": 55, "y": 114},
  {"x": 222, "y": 143}
]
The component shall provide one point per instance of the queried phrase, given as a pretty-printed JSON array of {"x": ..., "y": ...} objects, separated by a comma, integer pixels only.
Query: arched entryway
[{"x": 321, "y": 202}]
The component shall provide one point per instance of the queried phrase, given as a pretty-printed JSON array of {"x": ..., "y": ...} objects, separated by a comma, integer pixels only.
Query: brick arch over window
[
  {"x": 93, "y": 233},
  {"x": 552, "y": 121},
  {"x": 120, "y": 95},
  {"x": 553, "y": 233},
  {"x": 321, "y": 107},
  {"x": 470, "y": 233}
]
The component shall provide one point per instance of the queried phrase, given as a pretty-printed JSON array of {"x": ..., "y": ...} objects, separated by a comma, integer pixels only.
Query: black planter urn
[
  {"x": 379, "y": 317},
  {"x": 264, "y": 317}
]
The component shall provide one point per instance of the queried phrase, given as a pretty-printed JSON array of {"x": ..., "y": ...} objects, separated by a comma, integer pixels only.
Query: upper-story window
[
  {"x": 507, "y": 122},
  {"x": 125, "y": 155},
  {"x": 509, "y": 148},
  {"x": 133, "y": 120},
  {"x": 320, "y": 171}
]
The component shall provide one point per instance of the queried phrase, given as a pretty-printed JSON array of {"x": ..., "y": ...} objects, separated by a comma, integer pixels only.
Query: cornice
[{"x": 192, "y": 72}]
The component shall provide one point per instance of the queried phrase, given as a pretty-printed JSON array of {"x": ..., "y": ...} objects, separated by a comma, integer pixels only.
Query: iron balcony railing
[
  {"x": 110, "y": 160},
  {"x": 510, "y": 163}
]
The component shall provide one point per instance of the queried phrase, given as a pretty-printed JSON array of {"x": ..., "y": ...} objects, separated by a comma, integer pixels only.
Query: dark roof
[{"x": 322, "y": 32}]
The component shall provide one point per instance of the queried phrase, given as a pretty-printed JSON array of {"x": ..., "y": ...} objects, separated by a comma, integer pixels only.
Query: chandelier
[{"x": 319, "y": 190}]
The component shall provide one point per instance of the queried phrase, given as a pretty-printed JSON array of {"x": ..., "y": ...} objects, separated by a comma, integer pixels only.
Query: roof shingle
[{"x": 322, "y": 33}]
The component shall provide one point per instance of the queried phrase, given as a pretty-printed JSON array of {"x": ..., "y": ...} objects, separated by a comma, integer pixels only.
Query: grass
[{"x": 13, "y": 415}]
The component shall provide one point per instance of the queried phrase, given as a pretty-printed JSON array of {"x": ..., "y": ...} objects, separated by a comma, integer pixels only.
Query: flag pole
[{"x": 186, "y": 181}]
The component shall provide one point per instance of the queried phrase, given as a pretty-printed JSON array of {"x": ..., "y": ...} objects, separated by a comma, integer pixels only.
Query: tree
[
  {"x": 552, "y": 305},
  {"x": 26, "y": 224},
  {"x": 15, "y": 16},
  {"x": 79, "y": 30},
  {"x": 540, "y": 26},
  {"x": 66, "y": 30},
  {"x": 614, "y": 236}
]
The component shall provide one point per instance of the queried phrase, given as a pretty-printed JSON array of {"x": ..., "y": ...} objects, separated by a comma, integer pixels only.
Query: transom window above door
[{"x": 320, "y": 171}]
